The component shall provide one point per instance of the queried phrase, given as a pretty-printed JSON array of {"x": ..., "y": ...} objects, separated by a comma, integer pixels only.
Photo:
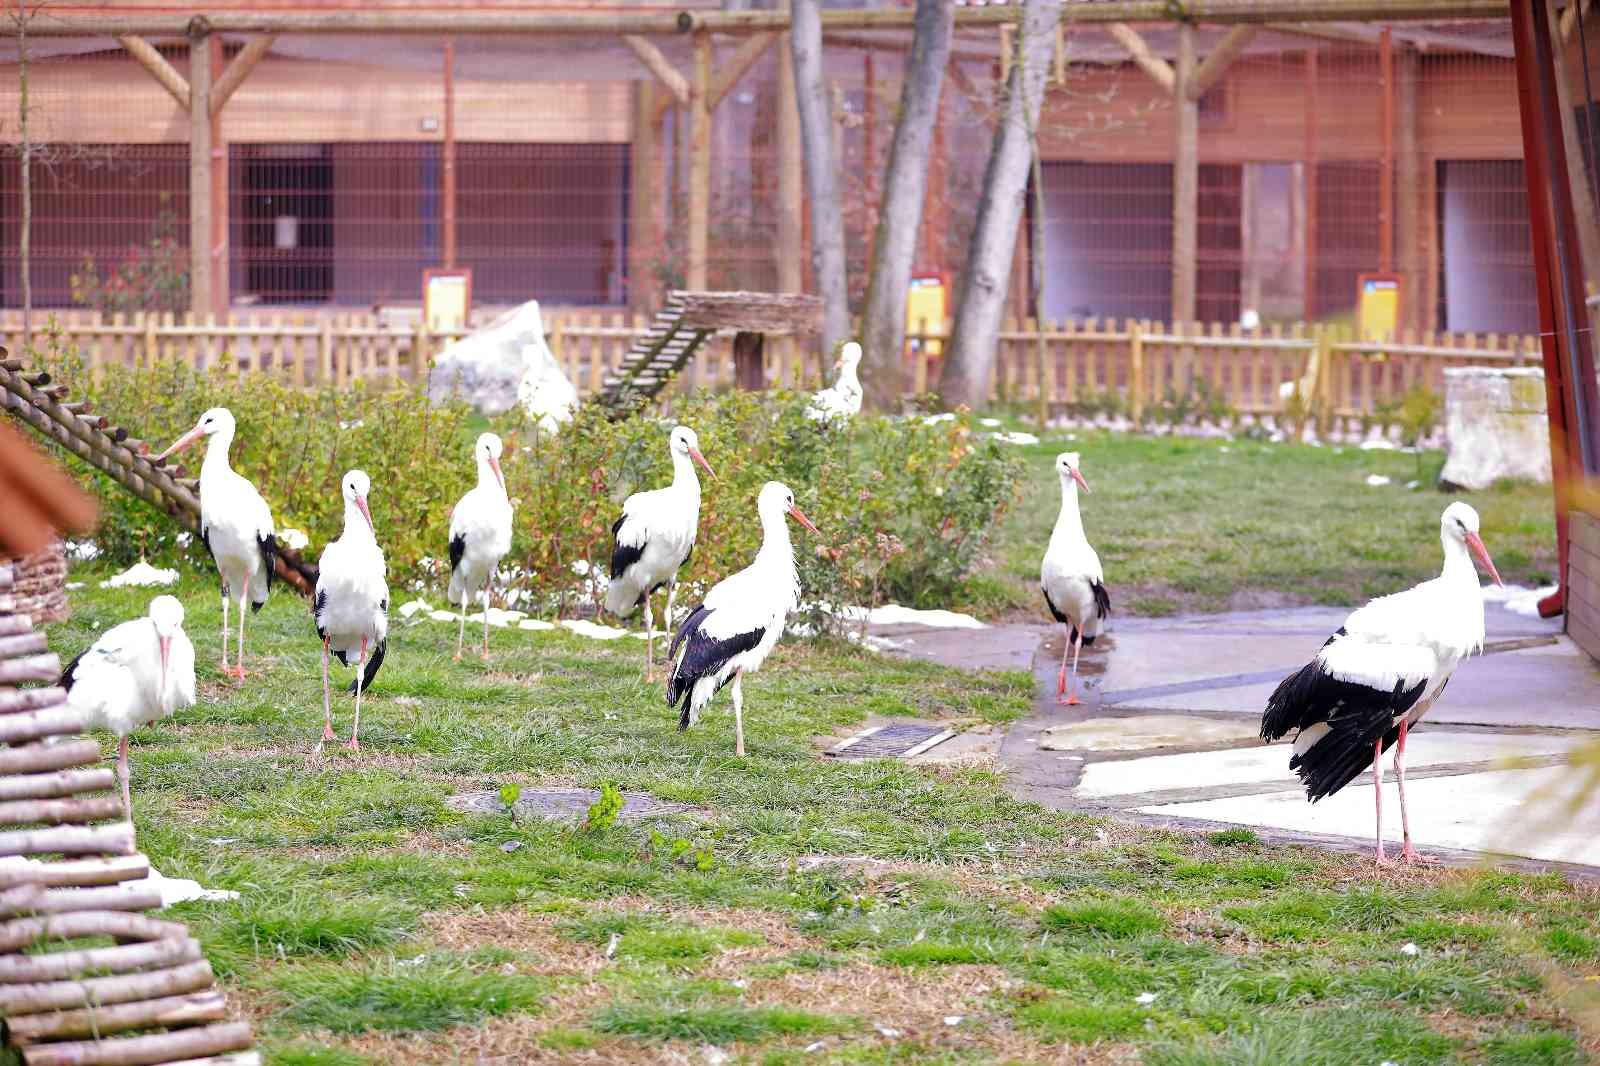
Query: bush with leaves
[
  {"x": 153, "y": 276},
  {"x": 295, "y": 444}
]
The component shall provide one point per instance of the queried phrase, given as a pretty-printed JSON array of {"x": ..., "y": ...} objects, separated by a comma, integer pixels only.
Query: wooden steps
[{"x": 150, "y": 997}]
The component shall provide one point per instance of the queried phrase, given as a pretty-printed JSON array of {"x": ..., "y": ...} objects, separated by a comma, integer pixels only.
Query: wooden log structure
[
  {"x": 66, "y": 856},
  {"x": 124, "y": 458}
]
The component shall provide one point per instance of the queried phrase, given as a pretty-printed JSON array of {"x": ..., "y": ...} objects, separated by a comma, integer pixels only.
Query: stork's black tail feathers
[
  {"x": 69, "y": 675},
  {"x": 372, "y": 668},
  {"x": 269, "y": 559},
  {"x": 1336, "y": 760},
  {"x": 680, "y": 683}
]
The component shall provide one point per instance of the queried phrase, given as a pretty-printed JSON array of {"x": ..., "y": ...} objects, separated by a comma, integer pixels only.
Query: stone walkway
[{"x": 1167, "y": 733}]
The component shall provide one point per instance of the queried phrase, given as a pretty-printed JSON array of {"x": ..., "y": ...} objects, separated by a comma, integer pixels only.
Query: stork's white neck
[
  {"x": 684, "y": 477},
  {"x": 1069, "y": 523},
  {"x": 1458, "y": 565},
  {"x": 486, "y": 477},
  {"x": 355, "y": 524},
  {"x": 217, "y": 446},
  {"x": 848, "y": 379}
]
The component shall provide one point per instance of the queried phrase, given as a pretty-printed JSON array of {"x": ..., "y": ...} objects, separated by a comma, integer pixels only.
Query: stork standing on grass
[
  {"x": 235, "y": 525},
  {"x": 352, "y": 604},
  {"x": 135, "y": 673},
  {"x": 1071, "y": 578},
  {"x": 1382, "y": 670},
  {"x": 843, "y": 398},
  {"x": 739, "y": 623},
  {"x": 654, "y": 539},
  {"x": 480, "y": 536}
]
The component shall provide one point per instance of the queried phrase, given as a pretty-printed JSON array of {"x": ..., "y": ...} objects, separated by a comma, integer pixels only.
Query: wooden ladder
[{"x": 655, "y": 358}]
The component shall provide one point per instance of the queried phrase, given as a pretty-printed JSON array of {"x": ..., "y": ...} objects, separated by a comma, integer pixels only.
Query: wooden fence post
[
  {"x": 325, "y": 351},
  {"x": 1136, "y": 371}
]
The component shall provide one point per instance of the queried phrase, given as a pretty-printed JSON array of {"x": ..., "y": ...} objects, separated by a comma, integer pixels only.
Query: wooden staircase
[
  {"x": 682, "y": 325},
  {"x": 46, "y": 408}
]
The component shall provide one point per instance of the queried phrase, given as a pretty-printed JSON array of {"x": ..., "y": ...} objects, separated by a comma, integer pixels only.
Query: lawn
[
  {"x": 1185, "y": 524},
  {"x": 805, "y": 911}
]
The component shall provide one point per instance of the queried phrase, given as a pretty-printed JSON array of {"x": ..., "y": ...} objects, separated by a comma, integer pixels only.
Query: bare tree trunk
[
  {"x": 980, "y": 299},
  {"x": 816, "y": 138},
  {"x": 25, "y": 167},
  {"x": 905, "y": 187}
]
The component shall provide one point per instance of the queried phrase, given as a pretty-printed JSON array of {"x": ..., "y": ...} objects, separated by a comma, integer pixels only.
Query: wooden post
[
  {"x": 1311, "y": 184},
  {"x": 645, "y": 202},
  {"x": 325, "y": 351},
  {"x": 447, "y": 165},
  {"x": 1185, "y": 180},
  {"x": 791, "y": 196},
  {"x": 1386, "y": 220},
  {"x": 1577, "y": 173},
  {"x": 221, "y": 290},
  {"x": 200, "y": 167},
  {"x": 749, "y": 371},
  {"x": 699, "y": 162},
  {"x": 1136, "y": 371},
  {"x": 1410, "y": 231}
]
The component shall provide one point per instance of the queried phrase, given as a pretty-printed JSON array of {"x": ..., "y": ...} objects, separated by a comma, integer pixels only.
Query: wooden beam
[
  {"x": 1569, "y": 20},
  {"x": 239, "y": 69},
  {"x": 156, "y": 63},
  {"x": 200, "y": 142},
  {"x": 982, "y": 103},
  {"x": 1185, "y": 181},
  {"x": 1411, "y": 232},
  {"x": 221, "y": 284},
  {"x": 1386, "y": 212},
  {"x": 743, "y": 58},
  {"x": 699, "y": 162},
  {"x": 1312, "y": 114},
  {"x": 657, "y": 64},
  {"x": 1216, "y": 64},
  {"x": 1577, "y": 174},
  {"x": 648, "y": 196},
  {"x": 447, "y": 162},
  {"x": 1140, "y": 53},
  {"x": 590, "y": 24},
  {"x": 791, "y": 183}
]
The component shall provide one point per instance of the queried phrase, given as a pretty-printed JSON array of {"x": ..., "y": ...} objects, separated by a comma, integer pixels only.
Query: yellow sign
[
  {"x": 925, "y": 314},
  {"x": 1378, "y": 306},
  {"x": 446, "y": 299}
]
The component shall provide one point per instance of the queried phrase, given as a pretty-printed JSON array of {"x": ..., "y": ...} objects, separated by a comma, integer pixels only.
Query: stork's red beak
[
  {"x": 361, "y": 502},
  {"x": 694, "y": 453},
  {"x": 1076, "y": 476},
  {"x": 180, "y": 444},
  {"x": 1475, "y": 542},
  {"x": 494, "y": 464},
  {"x": 796, "y": 514},
  {"x": 166, "y": 653}
]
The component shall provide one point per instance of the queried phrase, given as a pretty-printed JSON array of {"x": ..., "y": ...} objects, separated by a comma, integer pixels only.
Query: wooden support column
[
  {"x": 200, "y": 171},
  {"x": 1412, "y": 235},
  {"x": 1159, "y": 70},
  {"x": 447, "y": 165},
  {"x": 699, "y": 162},
  {"x": 749, "y": 369},
  {"x": 1185, "y": 180},
  {"x": 1577, "y": 173},
  {"x": 221, "y": 285},
  {"x": 163, "y": 72},
  {"x": 646, "y": 198},
  {"x": 1311, "y": 183},
  {"x": 791, "y": 182},
  {"x": 1386, "y": 219}
]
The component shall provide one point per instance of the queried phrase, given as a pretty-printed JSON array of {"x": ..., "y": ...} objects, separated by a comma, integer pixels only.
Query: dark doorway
[{"x": 288, "y": 222}]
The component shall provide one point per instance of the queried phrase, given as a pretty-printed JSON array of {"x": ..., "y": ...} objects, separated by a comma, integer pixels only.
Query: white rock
[
  {"x": 1495, "y": 426},
  {"x": 933, "y": 420},
  {"x": 176, "y": 890},
  {"x": 82, "y": 549},
  {"x": 1144, "y": 999},
  {"x": 1376, "y": 480},
  {"x": 1408, "y": 948},
  {"x": 141, "y": 575},
  {"x": 1378, "y": 445},
  {"x": 74, "y": 585},
  {"x": 886, "y": 1032},
  {"x": 595, "y": 631},
  {"x": 1517, "y": 599},
  {"x": 535, "y": 624},
  {"x": 408, "y": 609},
  {"x": 1016, "y": 437},
  {"x": 989, "y": 422},
  {"x": 954, "y": 1019},
  {"x": 293, "y": 539},
  {"x": 504, "y": 364}
]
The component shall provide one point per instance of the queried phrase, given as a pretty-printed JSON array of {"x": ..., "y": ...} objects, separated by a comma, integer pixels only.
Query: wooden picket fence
[{"x": 1055, "y": 367}]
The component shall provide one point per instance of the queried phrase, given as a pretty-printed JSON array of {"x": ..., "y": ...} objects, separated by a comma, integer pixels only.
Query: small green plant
[
  {"x": 603, "y": 812},
  {"x": 681, "y": 851},
  {"x": 153, "y": 276},
  {"x": 509, "y": 795},
  {"x": 1419, "y": 416}
]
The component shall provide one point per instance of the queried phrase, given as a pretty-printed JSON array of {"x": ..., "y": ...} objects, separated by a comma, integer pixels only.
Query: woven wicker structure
[{"x": 39, "y": 585}]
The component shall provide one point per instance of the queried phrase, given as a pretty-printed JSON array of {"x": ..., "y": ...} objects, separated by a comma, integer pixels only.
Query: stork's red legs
[
  {"x": 1073, "y": 642},
  {"x": 1407, "y": 852}
]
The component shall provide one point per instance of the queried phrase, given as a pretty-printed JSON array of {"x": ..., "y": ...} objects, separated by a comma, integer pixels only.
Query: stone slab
[
  {"x": 1510, "y": 812},
  {"x": 567, "y": 804},
  {"x": 1269, "y": 764},
  {"x": 1145, "y": 731}
]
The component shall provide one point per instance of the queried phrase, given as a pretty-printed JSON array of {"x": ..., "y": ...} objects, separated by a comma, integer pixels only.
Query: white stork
[
  {"x": 352, "y": 604},
  {"x": 654, "y": 539},
  {"x": 480, "y": 536},
  {"x": 739, "y": 623},
  {"x": 135, "y": 673},
  {"x": 1382, "y": 670},
  {"x": 1071, "y": 579},
  {"x": 235, "y": 525},
  {"x": 843, "y": 399}
]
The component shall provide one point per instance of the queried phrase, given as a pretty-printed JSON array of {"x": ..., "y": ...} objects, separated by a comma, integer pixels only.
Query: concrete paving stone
[
  {"x": 1510, "y": 812},
  {"x": 1141, "y": 732},
  {"x": 1269, "y": 764}
]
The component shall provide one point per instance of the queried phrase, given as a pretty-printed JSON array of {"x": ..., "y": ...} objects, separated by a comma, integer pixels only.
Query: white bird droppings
[
  {"x": 293, "y": 539},
  {"x": 1377, "y": 480},
  {"x": 176, "y": 890},
  {"x": 1144, "y": 999},
  {"x": 1409, "y": 948}
]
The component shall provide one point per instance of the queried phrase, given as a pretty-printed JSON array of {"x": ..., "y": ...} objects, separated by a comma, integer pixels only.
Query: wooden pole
[
  {"x": 1577, "y": 173},
  {"x": 448, "y": 162},
  {"x": 1159, "y": 69},
  {"x": 699, "y": 162},
  {"x": 1185, "y": 181},
  {"x": 145, "y": 54},
  {"x": 657, "y": 64},
  {"x": 1410, "y": 230},
  {"x": 221, "y": 292},
  {"x": 646, "y": 196},
  {"x": 1231, "y": 47},
  {"x": 254, "y": 51},
  {"x": 200, "y": 170},
  {"x": 744, "y": 57},
  {"x": 791, "y": 182},
  {"x": 1386, "y": 219},
  {"x": 1311, "y": 184}
]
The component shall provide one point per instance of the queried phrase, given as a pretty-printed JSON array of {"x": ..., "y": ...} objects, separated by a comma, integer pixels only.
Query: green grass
[
  {"x": 1203, "y": 525},
  {"x": 379, "y": 924}
]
